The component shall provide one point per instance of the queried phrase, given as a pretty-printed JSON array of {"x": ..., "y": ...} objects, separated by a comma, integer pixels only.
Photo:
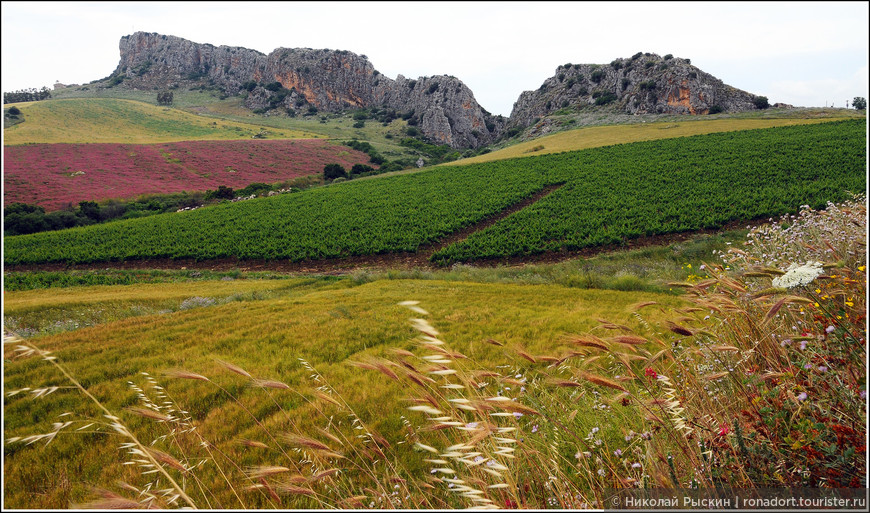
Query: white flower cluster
[{"x": 797, "y": 276}]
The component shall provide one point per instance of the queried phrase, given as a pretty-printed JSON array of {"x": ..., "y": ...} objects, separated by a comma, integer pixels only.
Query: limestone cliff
[
  {"x": 644, "y": 83},
  {"x": 444, "y": 109},
  {"x": 329, "y": 80}
]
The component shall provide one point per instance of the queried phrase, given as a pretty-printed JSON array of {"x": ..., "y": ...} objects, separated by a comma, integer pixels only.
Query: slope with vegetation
[
  {"x": 57, "y": 175},
  {"x": 109, "y": 120},
  {"x": 610, "y": 194}
]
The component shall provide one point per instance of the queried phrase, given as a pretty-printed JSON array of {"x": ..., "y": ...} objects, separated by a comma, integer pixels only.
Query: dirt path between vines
[{"x": 404, "y": 260}]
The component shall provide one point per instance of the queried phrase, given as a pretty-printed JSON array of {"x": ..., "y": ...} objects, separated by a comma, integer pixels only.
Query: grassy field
[
  {"x": 107, "y": 120},
  {"x": 595, "y": 136},
  {"x": 327, "y": 325},
  {"x": 209, "y": 105},
  {"x": 327, "y": 392}
]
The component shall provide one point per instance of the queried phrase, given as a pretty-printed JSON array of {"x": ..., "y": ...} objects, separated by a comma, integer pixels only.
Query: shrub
[
  {"x": 859, "y": 103},
  {"x": 432, "y": 88},
  {"x": 333, "y": 171},
  {"x": 760, "y": 102},
  {"x": 616, "y": 64},
  {"x": 359, "y": 124},
  {"x": 222, "y": 192},
  {"x": 668, "y": 57},
  {"x": 597, "y": 75},
  {"x": 605, "y": 98},
  {"x": 13, "y": 111},
  {"x": 359, "y": 169},
  {"x": 164, "y": 98}
]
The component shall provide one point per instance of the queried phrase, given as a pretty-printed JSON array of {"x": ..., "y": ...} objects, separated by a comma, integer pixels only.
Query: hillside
[
  {"x": 606, "y": 135},
  {"x": 110, "y": 120},
  {"x": 610, "y": 195},
  {"x": 57, "y": 175}
]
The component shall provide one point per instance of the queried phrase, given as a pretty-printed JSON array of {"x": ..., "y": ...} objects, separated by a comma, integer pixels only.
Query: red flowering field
[{"x": 52, "y": 175}]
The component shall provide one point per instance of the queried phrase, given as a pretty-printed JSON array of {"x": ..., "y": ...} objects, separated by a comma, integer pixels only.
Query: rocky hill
[
  {"x": 644, "y": 83},
  {"x": 297, "y": 79},
  {"x": 303, "y": 80}
]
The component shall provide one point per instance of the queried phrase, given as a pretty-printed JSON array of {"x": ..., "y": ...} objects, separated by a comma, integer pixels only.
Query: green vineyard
[{"x": 609, "y": 194}]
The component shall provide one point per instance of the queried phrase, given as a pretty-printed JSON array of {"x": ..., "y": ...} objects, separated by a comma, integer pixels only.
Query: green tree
[
  {"x": 90, "y": 210},
  {"x": 164, "y": 98},
  {"x": 760, "y": 102},
  {"x": 859, "y": 102},
  {"x": 333, "y": 171}
]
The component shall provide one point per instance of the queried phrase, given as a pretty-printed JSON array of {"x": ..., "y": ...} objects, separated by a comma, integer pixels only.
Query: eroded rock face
[
  {"x": 645, "y": 83},
  {"x": 443, "y": 108},
  {"x": 329, "y": 80}
]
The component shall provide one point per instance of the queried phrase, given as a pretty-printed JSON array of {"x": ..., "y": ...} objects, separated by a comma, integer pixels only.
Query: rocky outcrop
[
  {"x": 442, "y": 107},
  {"x": 644, "y": 83},
  {"x": 297, "y": 79}
]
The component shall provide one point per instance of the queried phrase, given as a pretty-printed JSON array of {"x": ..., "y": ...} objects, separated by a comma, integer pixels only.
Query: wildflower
[
  {"x": 803, "y": 344},
  {"x": 830, "y": 329},
  {"x": 797, "y": 276},
  {"x": 594, "y": 430},
  {"x": 651, "y": 373},
  {"x": 808, "y": 366},
  {"x": 601, "y": 472},
  {"x": 535, "y": 428},
  {"x": 517, "y": 414},
  {"x": 635, "y": 465},
  {"x": 822, "y": 368},
  {"x": 802, "y": 396},
  {"x": 862, "y": 394},
  {"x": 617, "y": 452},
  {"x": 723, "y": 429},
  {"x": 471, "y": 425}
]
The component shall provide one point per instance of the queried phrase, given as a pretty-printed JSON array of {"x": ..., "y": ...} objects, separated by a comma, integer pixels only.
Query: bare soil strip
[{"x": 403, "y": 260}]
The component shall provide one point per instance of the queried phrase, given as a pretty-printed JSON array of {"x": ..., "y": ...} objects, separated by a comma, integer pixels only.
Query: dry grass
[
  {"x": 595, "y": 136},
  {"x": 745, "y": 385},
  {"x": 110, "y": 120}
]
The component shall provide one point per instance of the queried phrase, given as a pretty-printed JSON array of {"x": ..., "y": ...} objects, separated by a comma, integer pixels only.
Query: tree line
[{"x": 26, "y": 95}]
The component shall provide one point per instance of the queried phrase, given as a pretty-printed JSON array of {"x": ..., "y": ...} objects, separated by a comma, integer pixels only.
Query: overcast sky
[{"x": 800, "y": 53}]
